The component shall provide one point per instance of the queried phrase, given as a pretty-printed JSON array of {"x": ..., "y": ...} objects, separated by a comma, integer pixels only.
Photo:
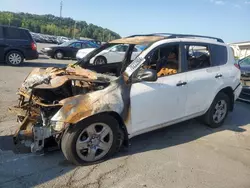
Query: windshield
[
  {"x": 245, "y": 61},
  {"x": 113, "y": 54},
  {"x": 66, "y": 43}
]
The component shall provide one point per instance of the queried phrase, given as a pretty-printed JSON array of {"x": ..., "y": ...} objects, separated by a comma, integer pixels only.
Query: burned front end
[{"x": 43, "y": 94}]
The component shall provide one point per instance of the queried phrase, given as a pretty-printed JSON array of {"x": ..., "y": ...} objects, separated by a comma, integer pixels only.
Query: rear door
[
  {"x": 204, "y": 77},
  {"x": 2, "y": 44}
]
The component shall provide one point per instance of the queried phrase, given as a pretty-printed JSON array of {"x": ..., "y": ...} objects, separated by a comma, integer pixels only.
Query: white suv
[{"x": 91, "y": 115}]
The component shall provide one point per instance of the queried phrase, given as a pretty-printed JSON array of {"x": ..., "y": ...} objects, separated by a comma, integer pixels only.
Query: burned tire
[
  {"x": 59, "y": 55},
  {"x": 218, "y": 111},
  {"x": 14, "y": 58},
  {"x": 91, "y": 141}
]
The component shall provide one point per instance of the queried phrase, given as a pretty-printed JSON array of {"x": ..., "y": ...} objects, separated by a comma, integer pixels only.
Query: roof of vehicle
[
  {"x": 137, "y": 40},
  {"x": 14, "y": 27},
  {"x": 147, "y": 38}
]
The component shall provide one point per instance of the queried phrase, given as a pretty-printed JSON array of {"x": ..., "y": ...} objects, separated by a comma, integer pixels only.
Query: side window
[
  {"x": 78, "y": 45},
  {"x": 120, "y": 48},
  {"x": 135, "y": 50},
  {"x": 198, "y": 57},
  {"x": 165, "y": 60},
  {"x": 72, "y": 45},
  {"x": 1, "y": 32},
  {"x": 86, "y": 45},
  {"x": 218, "y": 55},
  {"x": 13, "y": 33}
]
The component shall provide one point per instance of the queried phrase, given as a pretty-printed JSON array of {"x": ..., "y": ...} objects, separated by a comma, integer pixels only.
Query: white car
[
  {"x": 113, "y": 54},
  {"x": 91, "y": 115}
]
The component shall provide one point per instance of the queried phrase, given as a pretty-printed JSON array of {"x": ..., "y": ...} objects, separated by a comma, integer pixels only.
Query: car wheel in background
[
  {"x": 100, "y": 60},
  {"x": 59, "y": 55},
  {"x": 14, "y": 58},
  {"x": 218, "y": 111}
]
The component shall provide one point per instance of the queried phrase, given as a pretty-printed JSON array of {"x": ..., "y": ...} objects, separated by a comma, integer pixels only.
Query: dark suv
[{"x": 16, "y": 44}]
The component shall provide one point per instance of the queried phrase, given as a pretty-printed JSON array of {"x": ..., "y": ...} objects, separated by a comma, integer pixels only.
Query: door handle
[
  {"x": 181, "y": 83},
  {"x": 218, "y": 76}
]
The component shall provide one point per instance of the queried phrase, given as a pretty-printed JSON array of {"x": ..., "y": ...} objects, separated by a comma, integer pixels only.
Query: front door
[{"x": 155, "y": 103}]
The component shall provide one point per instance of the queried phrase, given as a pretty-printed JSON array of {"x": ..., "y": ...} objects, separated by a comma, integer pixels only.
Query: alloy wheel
[
  {"x": 99, "y": 61},
  {"x": 220, "y": 111},
  {"x": 94, "y": 142},
  {"x": 15, "y": 58}
]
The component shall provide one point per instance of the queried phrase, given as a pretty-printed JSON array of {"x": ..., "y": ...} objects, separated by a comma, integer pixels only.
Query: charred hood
[{"x": 50, "y": 85}]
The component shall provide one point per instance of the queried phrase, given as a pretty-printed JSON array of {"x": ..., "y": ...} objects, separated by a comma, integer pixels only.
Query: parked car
[
  {"x": 68, "y": 49},
  {"x": 113, "y": 54},
  {"x": 92, "y": 115},
  {"x": 61, "y": 39},
  {"x": 244, "y": 65},
  {"x": 16, "y": 44}
]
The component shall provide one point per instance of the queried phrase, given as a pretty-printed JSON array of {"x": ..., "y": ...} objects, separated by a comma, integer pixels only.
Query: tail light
[
  {"x": 237, "y": 66},
  {"x": 33, "y": 46}
]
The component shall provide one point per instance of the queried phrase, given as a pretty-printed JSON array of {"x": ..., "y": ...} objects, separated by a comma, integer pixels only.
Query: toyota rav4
[{"x": 92, "y": 113}]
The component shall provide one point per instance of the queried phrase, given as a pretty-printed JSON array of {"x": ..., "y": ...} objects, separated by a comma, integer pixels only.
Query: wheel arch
[
  {"x": 230, "y": 93},
  {"x": 113, "y": 114},
  {"x": 14, "y": 50}
]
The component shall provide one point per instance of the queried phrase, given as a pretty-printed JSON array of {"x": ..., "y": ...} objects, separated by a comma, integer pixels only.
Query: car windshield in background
[
  {"x": 66, "y": 43},
  {"x": 245, "y": 61}
]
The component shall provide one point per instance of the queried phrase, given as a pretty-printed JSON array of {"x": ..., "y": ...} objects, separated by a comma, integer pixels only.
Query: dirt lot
[{"x": 183, "y": 155}]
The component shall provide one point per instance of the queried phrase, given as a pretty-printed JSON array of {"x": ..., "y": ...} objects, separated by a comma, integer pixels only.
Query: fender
[
  {"x": 114, "y": 98},
  {"x": 228, "y": 90}
]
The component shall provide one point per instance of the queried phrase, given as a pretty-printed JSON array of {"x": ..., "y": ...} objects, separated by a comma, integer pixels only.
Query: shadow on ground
[
  {"x": 54, "y": 164},
  {"x": 41, "y": 64},
  {"x": 37, "y": 64}
]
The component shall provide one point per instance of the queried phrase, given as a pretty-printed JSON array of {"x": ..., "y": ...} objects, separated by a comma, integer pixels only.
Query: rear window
[
  {"x": 14, "y": 33},
  {"x": 1, "y": 32},
  {"x": 218, "y": 55}
]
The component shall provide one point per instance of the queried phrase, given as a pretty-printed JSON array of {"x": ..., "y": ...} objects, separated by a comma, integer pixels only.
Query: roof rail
[{"x": 172, "y": 35}]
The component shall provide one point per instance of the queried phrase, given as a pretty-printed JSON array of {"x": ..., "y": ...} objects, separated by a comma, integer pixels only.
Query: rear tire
[
  {"x": 80, "y": 133},
  {"x": 218, "y": 111},
  {"x": 14, "y": 58},
  {"x": 59, "y": 55}
]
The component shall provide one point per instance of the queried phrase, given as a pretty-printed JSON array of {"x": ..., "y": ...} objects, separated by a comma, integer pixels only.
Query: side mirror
[{"x": 149, "y": 75}]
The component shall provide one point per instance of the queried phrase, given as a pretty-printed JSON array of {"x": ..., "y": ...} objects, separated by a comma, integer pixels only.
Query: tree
[{"x": 50, "y": 24}]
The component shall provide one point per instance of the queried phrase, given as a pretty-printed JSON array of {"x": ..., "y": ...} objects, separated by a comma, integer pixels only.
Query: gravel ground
[{"x": 183, "y": 155}]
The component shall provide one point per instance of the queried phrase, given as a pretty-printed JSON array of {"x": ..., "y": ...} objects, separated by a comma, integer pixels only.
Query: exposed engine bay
[{"x": 41, "y": 96}]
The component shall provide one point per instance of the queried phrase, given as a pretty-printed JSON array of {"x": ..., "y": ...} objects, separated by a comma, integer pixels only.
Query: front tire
[
  {"x": 100, "y": 60},
  {"x": 218, "y": 111},
  {"x": 14, "y": 58},
  {"x": 91, "y": 141}
]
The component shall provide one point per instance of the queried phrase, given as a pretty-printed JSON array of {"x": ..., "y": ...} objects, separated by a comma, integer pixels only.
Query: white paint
[
  {"x": 161, "y": 103},
  {"x": 111, "y": 54},
  {"x": 154, "y": 103}
]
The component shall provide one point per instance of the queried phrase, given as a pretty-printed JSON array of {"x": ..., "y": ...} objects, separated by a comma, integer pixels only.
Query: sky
[{"x": 227, "y": 19}]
